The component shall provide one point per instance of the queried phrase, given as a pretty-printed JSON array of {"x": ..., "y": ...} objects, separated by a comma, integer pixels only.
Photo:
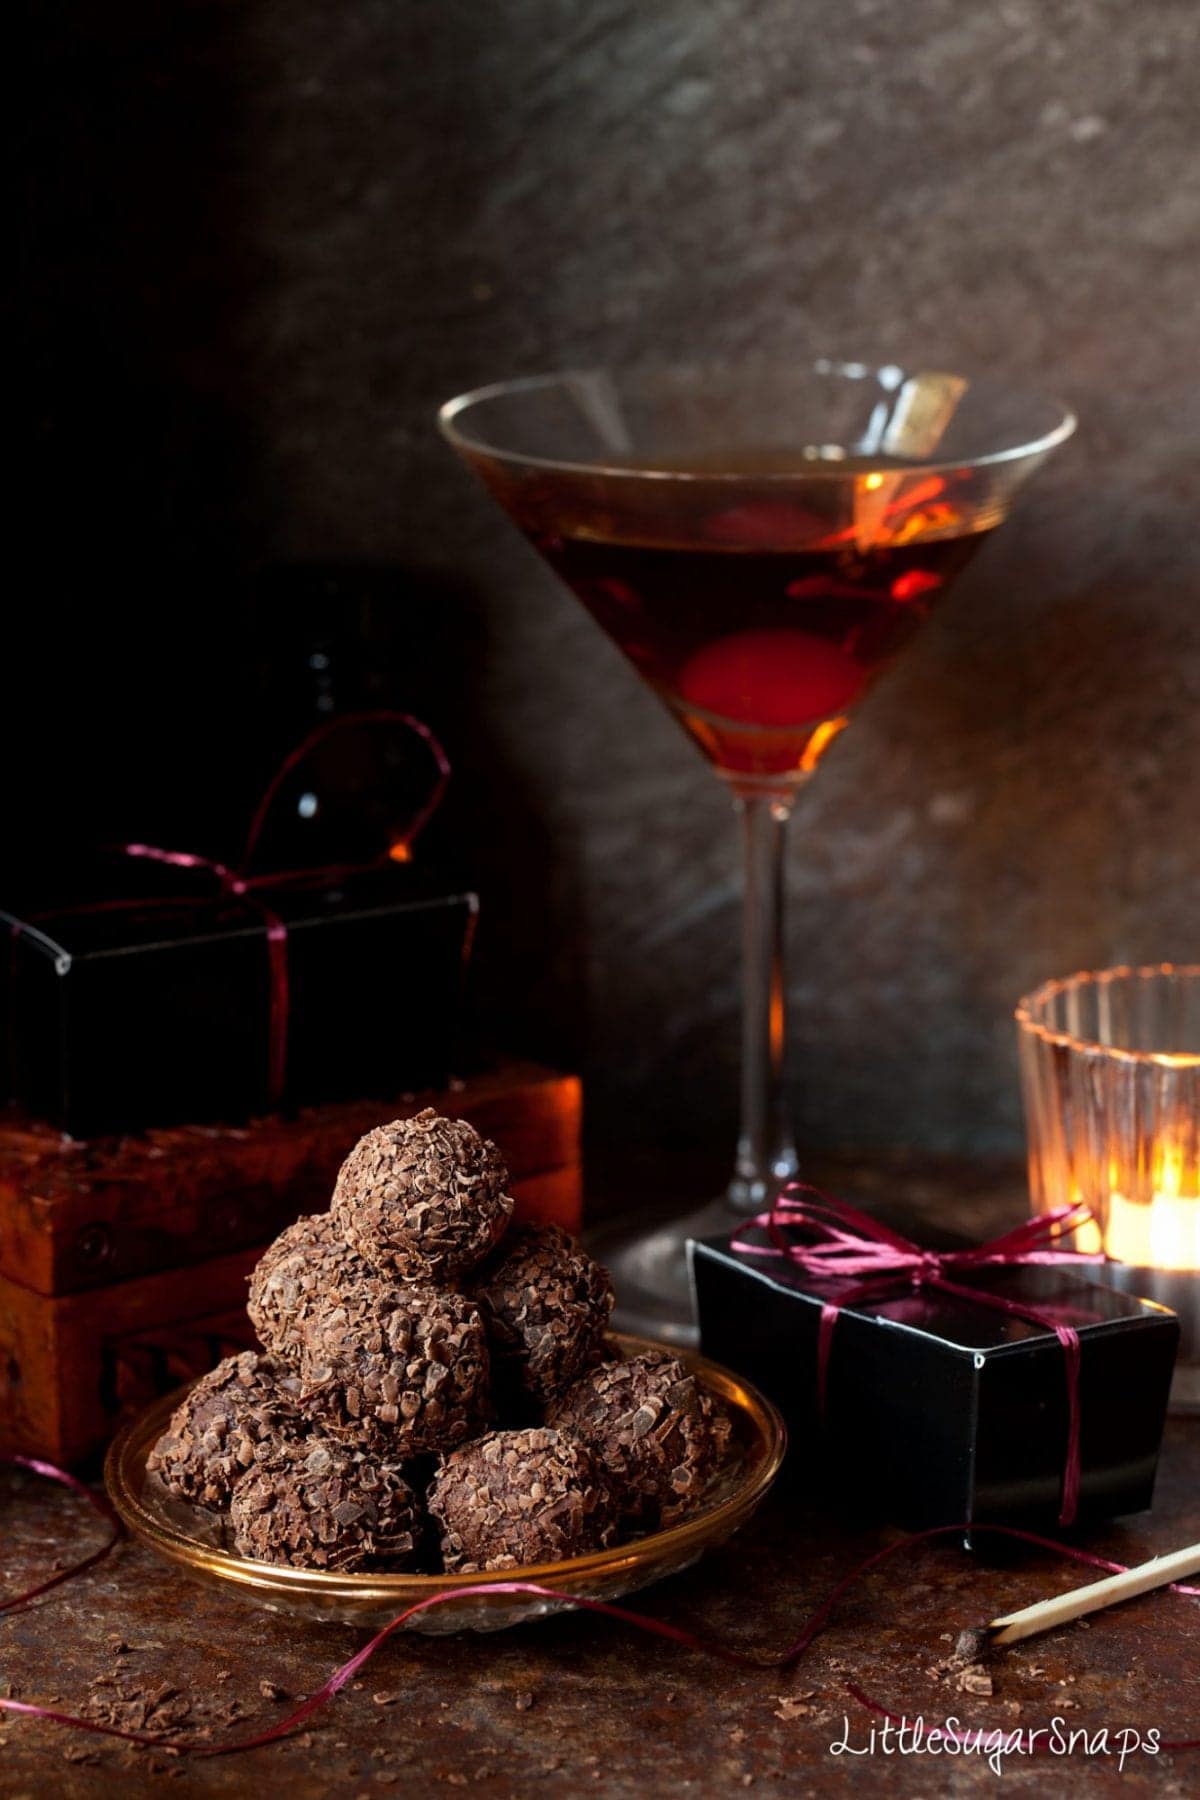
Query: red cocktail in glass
[{"x": 761, "y": 544}]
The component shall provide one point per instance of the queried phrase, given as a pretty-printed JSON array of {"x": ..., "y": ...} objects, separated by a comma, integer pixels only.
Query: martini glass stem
[{"x": 766, "y": 1155}]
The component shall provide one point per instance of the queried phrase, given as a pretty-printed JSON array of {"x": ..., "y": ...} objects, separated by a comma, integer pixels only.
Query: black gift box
[
  {"x": 939, "y": 1412},
  {"x": 151, "y": 1002}
]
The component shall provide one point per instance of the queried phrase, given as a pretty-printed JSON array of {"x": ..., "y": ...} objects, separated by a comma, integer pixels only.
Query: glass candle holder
[{"x": 1110, "y": 1077}]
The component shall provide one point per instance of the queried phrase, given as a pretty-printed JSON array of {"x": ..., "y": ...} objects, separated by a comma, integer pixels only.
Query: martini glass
[{"x": 761, "y": 543}]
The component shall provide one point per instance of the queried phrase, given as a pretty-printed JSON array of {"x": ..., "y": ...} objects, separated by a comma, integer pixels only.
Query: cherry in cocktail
[{"x": 761, "y": 653}]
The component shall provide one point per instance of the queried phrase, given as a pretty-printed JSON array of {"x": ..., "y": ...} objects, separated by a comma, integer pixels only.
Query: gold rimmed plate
[{"x": 197, "y": 1541}]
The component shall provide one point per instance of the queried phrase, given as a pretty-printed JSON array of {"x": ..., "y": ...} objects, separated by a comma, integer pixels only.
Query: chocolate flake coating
[
  {"x": 423, "y": 1198},
  {"x": 237, "y": 1414},
  {"x": 322, "y": 1505},
  {"x": 515, "y": 1498},
  {"x": 399, "y": 1367},
  {"x": 651, "y": 1425},
  {"x": 293, "y": 1275},
  {"x": 546, "y": 1304}
]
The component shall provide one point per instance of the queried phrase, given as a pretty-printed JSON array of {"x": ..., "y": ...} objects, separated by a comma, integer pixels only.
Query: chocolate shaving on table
[
  {"x": 234, "y": 1416},
  {"x": 517, "y": 1498},
  {"x": 293, "y": 1274},
  {"x": 323, "y": 1505},
  {"x": 546, "y": 1304},
  {"x": 423, "y": 1198},
  {"x": 399, "y": 1367},
  {"x": 656, "y": 1431}
]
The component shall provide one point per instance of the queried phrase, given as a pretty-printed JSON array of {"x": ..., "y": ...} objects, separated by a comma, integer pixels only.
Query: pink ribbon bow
[
  {"x": 238, "y": 885},
  {"x": 241, "y": 886},
  {"x": 841, "y": 1243}
]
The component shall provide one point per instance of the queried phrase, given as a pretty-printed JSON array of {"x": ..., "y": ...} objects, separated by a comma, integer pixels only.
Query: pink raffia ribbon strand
[
  {"x": 238, "y": 887},
  {"x": 383, "y": 716},
  {"x": 242, "y": 886},
  {"x": 238, "y": 884},
  {"x": 839, "y": 1242},
  {"x": 98, "y": 1504},
  {"x": 675, "y": 1634}
]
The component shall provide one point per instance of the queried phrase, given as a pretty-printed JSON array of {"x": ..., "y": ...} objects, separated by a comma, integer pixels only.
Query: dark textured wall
[{"x": 266, "y": 239}]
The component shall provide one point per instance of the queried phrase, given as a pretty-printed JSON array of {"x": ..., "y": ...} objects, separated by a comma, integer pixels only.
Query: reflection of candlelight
[
  {"x": 1086, "y": 1237},
  {"x": 1161, "y": 1233}
]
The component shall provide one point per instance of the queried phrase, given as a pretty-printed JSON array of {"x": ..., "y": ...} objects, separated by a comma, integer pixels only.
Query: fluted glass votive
[{"x": 1110, "y": 1077}]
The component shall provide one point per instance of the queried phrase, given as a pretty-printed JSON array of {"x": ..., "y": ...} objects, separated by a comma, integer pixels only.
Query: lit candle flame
[{"x": 1164, "y": 1231}]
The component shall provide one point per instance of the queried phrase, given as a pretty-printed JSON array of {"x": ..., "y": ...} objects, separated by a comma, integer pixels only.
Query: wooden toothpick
[{"x": 1062, "y": 1608}]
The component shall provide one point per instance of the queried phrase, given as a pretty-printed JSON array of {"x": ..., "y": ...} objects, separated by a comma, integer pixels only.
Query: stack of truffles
[{"x": 425, "y": 1386}]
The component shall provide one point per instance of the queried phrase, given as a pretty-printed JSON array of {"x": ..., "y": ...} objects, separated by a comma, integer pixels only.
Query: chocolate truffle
[
  {"x": 546, "y": 1305},
  {"x": 653, "y": 1428},
  {"x": 322, "y": 1505},
  {"x": 398, "y": 1366},
  {"x": 241, "y": 1410},
  {"x": 423, "y": 1198},
  {"x": 514, "y": 1498},
  {"x": 294, "y": 1273}
]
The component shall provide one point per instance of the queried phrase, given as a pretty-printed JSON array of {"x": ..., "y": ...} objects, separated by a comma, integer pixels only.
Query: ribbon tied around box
[{"x": 829, "y": 1240}]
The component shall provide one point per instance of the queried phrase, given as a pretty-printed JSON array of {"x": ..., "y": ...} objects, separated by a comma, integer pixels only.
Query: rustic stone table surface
[{"x": 578, "y": 1705}]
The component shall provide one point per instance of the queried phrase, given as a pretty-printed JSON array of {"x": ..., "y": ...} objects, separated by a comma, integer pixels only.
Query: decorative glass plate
[{"x": 198, "y": 1541}]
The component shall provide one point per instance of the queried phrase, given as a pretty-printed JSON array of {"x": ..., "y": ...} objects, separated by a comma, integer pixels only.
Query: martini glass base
[
  {"x": 645, "y": 1250},
  {"x": 649, "y": 1268}
]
